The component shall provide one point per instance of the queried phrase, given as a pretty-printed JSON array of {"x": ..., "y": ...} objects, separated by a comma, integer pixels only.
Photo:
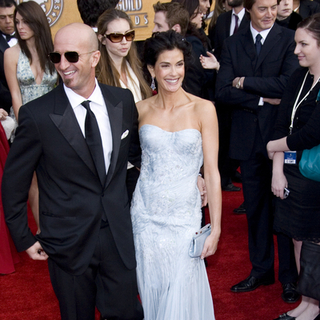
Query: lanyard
[{"x": 297, "y": 104}]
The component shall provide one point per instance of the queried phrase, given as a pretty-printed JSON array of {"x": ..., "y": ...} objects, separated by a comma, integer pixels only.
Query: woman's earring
[{"x": 153, "y": 84}]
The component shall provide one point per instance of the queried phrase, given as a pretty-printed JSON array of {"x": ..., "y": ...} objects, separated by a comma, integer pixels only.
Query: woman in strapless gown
[
  {"x": 28, "y": 70},
  {"x": 178, "y": 134}
]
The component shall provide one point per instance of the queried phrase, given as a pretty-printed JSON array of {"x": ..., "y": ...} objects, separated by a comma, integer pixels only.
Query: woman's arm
[
  {"x": 210, "y": 145},
  {"x": 277, "y": 145},
  {"x": 11, "y": 56},
  {"x": 279, "y": 181}
]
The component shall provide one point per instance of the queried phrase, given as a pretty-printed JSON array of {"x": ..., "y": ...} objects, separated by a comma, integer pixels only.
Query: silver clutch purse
[{"x": 198, "y": 240}]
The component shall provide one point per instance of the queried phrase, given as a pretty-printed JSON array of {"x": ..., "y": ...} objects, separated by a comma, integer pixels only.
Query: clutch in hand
[{"x": 198, "y": 240}]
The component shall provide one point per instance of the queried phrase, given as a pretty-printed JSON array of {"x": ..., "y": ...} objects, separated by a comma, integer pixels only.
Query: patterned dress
[
  {"x": 29, "y": 89},
  {"x": 166, "y": 211}
]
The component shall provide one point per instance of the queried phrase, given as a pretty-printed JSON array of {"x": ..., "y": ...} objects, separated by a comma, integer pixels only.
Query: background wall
[{"x": 62, "y": 12}]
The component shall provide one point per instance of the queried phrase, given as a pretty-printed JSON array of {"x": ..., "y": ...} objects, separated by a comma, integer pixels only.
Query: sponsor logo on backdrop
[
  {"x": 133, "y": 9},
  {"x": 52, "y": 9}
]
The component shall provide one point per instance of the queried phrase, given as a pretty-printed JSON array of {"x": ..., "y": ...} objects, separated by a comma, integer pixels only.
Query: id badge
[{"x": 290, "y": 157}]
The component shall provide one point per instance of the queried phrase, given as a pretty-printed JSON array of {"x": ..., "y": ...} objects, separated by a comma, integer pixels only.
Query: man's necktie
[
  {"x": 258, "y": 43},
  {"x": 236, "y": 26},
  {"x": 9, "y": 36},
  {"x": 94, "y": 142}
]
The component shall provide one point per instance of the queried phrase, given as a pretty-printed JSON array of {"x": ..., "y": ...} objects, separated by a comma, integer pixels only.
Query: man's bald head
[
  {"x": 80, "y": 40},
  {"x": 79, "y": 32}
]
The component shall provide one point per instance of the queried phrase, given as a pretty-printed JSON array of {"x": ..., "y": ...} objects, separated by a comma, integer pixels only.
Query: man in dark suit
[
  {"x": 256, "y": 64},
  {"x": 78, "y": 138},
  {"x": 228, "y": 23},
  {"x": 6, "y": 31}
]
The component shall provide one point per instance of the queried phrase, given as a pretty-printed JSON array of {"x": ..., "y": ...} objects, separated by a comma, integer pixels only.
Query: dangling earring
[{"x": 153, "y": 85}]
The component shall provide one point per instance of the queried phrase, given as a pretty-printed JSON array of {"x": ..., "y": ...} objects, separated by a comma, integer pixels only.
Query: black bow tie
[{"x": 9, "y": 36}]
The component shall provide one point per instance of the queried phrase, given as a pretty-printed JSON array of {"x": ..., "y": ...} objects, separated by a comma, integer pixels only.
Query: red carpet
[{"x": 27, "y": 293}]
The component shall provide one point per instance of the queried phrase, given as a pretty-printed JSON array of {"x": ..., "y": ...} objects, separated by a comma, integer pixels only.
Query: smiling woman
[
  {"x": 297, "y": 128},
  {"x": 178, "y": 134},
  {"x": 169, "y": 70}
]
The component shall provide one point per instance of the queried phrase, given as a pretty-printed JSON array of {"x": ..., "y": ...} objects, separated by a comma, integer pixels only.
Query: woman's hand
[
  {"x": 209, "y": 62},
  {"x": 3, "y": 114},
  {"x": 210, "y": 245},
  {"x": 278, "y": 183}
]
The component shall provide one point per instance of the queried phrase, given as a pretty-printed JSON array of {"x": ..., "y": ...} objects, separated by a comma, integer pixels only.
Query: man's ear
[
  {"x": 95, "y": 58},
  {"x": 151, "y": 70},
  {"x": 176, "y": 28}
]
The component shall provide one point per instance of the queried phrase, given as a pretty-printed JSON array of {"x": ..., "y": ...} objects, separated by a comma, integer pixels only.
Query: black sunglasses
[
  {"x": 117, "y": 37},
  {"x": 71, "y": 56}
]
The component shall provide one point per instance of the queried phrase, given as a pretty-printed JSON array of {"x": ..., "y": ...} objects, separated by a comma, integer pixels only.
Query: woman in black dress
[{"x": 297, "y": 128}]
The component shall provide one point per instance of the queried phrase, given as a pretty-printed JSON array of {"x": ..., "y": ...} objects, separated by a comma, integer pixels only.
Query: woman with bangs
[
  {"x": 119, "y": 65},
  {"x": 28, "y": 70}
]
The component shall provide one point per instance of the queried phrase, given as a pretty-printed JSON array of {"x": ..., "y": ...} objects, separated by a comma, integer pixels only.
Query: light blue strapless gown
[{"x": 166, "y": 212}]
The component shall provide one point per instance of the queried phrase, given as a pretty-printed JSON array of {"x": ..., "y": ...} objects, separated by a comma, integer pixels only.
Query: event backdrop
[{"x": 62, "y": 12}]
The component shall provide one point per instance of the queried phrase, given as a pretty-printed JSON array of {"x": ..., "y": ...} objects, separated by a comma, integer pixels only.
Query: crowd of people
[{"x": 116, "y": 152}]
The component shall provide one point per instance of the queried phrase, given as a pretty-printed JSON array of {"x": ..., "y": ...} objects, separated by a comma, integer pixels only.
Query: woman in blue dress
[
  {"x": 28, "y": 70},
  {"x": 178, "y": 134}
]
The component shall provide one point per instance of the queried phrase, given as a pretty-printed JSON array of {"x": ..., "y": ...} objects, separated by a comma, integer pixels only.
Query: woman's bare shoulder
[
  {"x": 201, "y": 105},
  {"x": 12, "y": 54},
  {"x": 143, "y": 104}
]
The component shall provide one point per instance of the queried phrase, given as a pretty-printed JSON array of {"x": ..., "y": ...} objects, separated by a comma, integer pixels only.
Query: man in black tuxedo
[
  {"x": 256, "y": 64},
  {"x": 228, "y": 24},
  {"x": 6, "y": 31},
  {"x": 78, "y": 138}
]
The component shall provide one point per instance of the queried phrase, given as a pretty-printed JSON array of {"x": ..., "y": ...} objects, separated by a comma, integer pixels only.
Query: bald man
[{"x": 86, "y": 231}]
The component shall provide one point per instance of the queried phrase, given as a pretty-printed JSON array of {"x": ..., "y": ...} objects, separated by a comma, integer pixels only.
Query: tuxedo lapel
[
  {"x": 66, "y": 121},
  {"x": 271, "y": 42},
  {"x": 228, "y": 24},
  {"x": 3, "y": 44},
  {"x": 244, "y": 22},
  {"x": 115, "y": 111},
  {"x": 248, "y": 46}
]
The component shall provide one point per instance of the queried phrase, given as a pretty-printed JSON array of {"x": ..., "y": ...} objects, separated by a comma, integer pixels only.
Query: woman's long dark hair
[
  {"x": 36, "y": 19},
  {"x": 192, "y": 6}
]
